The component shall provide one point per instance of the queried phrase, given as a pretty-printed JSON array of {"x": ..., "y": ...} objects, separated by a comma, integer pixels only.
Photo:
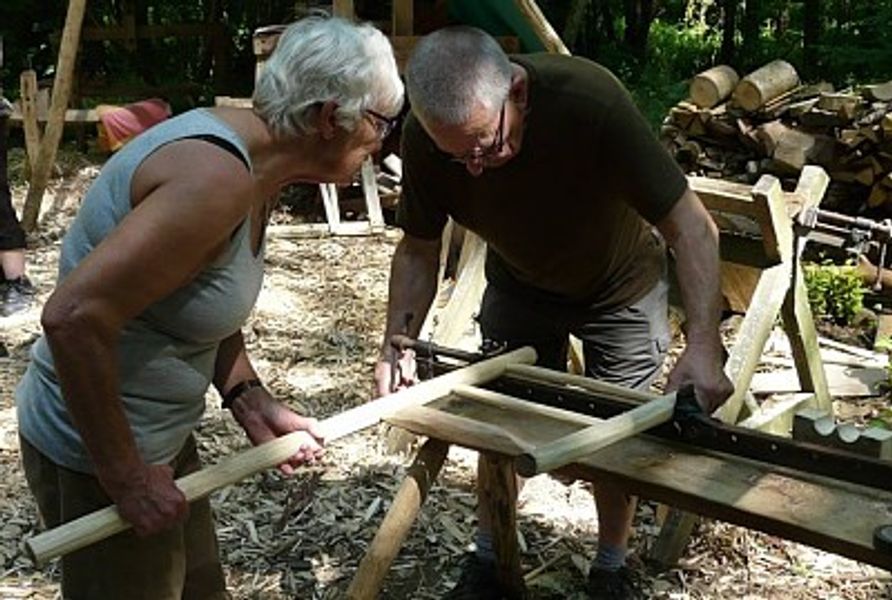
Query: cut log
[
  {"x": 713, "y": 86},
  {"x": 765, "y": 83},
  {"x": 879, "y": 91}
]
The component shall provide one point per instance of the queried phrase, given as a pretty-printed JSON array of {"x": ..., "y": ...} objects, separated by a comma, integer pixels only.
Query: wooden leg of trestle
[
  {"x": 393, "y": 531},
  {"x": 499, "y": 493}
]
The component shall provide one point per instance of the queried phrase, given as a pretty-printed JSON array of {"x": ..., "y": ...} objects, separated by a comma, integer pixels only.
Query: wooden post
[
  {"x": 369, "y": 577},
  {"x": 372, "y": 200},
  {"x": 497, "y": 490},
  {"x": 544, "y": 31},
  {"x": 103, "y": 523},
  {"x": 46, "y": 157},
  {"x": 343, "y": 8},
  {"x": 28, "y": 96},
  {"x": 403, "y": 17}
]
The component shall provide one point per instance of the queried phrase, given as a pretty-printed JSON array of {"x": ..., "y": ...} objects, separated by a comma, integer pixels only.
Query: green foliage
[{"x": 835, "y": 292}]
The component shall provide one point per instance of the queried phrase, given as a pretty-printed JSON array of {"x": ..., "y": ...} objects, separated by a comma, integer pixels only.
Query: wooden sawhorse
[
  {"x": 835, "y": 516},
  {"x": 756, "y": 227}
]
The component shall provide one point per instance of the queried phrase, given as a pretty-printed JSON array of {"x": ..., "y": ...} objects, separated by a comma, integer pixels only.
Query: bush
[{"x": 835, "y": 292}]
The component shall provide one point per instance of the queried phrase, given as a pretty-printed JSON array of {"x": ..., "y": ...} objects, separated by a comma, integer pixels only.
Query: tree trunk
[
  {"x": 729, "y": 19},
  {"x": 639, "y": 15},
  {"x": 811, "y": 35},
  {"x": 750, "y": 31}
]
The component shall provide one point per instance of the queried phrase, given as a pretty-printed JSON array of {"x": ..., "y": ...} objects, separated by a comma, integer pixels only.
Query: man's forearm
[
  {"x": 693, "y": 237},
  {"x": 413, "y": 284}
]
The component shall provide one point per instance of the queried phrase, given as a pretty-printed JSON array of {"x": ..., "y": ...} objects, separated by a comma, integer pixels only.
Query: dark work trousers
[
  {"x": 179, "y": 563},
  {"x": 625, "y": 347},
  {"x": 11, "y": 235}
]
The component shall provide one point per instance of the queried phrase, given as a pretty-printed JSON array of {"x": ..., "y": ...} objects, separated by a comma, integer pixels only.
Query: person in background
[
  {"x": 16, "y": 291},
  {"x": 547, "y": 159},
  {"x": 158, "y": 273}
]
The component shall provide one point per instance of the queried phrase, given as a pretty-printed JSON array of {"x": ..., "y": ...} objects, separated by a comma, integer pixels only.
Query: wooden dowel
[
  {"x": 46, "y": 156},
  {"x": 519, "y": 404},
  {"x": 103, "y": 523},
  {"x": 609, "y": 390},
  {"x": 577, "y": 445},
  {"x": 389, "y": 538}
]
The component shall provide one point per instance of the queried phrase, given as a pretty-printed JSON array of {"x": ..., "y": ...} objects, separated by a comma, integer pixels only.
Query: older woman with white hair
[{"x": 158, "y": 273}]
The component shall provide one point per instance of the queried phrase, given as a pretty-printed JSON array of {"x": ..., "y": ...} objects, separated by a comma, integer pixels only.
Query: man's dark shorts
[{"x": 626, "y": 347}]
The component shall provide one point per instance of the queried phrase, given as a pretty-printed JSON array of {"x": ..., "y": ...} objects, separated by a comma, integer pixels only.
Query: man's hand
[
  {"x": 701, "y": 365},
  {"x": 395, "y": 371},
  {"x": 148, "y": 499},
  {"x": 263, "y": 418}
]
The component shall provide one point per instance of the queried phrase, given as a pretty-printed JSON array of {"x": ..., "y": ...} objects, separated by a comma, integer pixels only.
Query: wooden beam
[
  {"x": 835, "y": 516},
  {"x": 584, "y": 442},
  {"x": 103, "y": 523},
  {"x": 403, "y": 18},
  {"x": 40, "y": 175},
  {"x": 373, "y": 567},
  {"x": 28, "y": 95},
  {"x": 343, "y": 8},
  {"x": 543, "y": 29},
  {"x": 497, "y": 490}
]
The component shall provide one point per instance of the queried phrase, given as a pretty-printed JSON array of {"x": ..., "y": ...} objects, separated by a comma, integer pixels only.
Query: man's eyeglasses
[
  {"x": 480, "y": 153},
  {"x": 383, "y": 124}
]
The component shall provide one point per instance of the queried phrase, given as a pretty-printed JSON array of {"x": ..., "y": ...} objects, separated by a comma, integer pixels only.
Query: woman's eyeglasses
[{"x": 383, "y": 124}]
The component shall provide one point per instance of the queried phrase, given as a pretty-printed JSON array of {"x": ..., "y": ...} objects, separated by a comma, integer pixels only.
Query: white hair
[
  {"x": 453, "y": 70},
  {"x": 320, "y": 59}
]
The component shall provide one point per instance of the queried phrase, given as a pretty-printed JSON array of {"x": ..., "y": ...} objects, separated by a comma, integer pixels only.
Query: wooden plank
[
  {"x": 103, "y": 523},
  {"x": 542, "y": 28},
  {"x": 403, "y": 17},
  {"x": 454, "y": 324},
  {"x": 343, "y": 8},
  {"x": 837, "y": 517},
  {"x": 28, "y": 95},
  {"x": 777, "y": 418},
  {"x": 841, "y": 381},
  {"x": 799, "y": 325},
  {"x": 329, "y": 192},
  {"x": 370, "y": 191},
  {"x": 40, "y": 174},
  {"x": 372, "y": 570}
]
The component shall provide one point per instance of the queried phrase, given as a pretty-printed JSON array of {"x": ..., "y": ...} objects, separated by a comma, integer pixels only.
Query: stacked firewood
[{"x": 768, "y": 122}]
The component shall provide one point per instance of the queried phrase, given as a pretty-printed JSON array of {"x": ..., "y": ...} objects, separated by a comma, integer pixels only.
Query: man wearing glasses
[{"x": 548, "y": 160}]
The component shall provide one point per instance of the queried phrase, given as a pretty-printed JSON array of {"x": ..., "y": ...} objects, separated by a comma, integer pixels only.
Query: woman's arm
[{"x": 180, "y": 221}]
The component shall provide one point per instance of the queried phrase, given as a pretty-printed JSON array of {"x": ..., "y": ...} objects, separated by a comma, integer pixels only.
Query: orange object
[{"x": 118, "y": 124}]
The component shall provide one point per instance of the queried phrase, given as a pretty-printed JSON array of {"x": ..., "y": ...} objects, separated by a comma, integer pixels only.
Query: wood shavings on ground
[{"x": 314, "y": 337}]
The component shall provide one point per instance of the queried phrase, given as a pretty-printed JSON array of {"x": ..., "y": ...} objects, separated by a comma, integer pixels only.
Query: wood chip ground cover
[{"x": 314, "y": 336}]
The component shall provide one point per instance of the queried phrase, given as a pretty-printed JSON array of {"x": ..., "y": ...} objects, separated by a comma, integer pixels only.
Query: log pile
[{"x": 769, "y": 122}]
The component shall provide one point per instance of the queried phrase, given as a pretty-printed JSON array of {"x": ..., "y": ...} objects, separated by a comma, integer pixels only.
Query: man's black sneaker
[
  {"x": 478, "y": 582},
  {"x": 18, "y": 294},
  {"x": 612, "y": 585}
]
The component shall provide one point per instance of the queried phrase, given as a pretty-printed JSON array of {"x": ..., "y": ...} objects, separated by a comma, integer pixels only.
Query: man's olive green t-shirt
[{"x": 568, "y": 219}]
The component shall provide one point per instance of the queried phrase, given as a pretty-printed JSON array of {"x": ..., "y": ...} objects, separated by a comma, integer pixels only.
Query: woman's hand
[
  {"x": 264, "y": 418},
  {"x": 147, "y": 498}
]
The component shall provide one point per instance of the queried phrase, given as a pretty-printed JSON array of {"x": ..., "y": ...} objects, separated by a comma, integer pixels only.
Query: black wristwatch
[{"x": 239, "y": 389}]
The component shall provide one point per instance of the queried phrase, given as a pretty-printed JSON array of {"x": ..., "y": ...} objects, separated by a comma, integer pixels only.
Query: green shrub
[{"x": 835, "y": 292}]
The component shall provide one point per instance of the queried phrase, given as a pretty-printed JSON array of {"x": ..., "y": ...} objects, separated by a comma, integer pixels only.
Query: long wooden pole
[
  {"x": 46, "y": 157},
  {"x": 103, "y": 523},
  {"x": 28, "y": 95},
  {"x": 373, "y": 568},
  {"x": 580, "y": 444}
]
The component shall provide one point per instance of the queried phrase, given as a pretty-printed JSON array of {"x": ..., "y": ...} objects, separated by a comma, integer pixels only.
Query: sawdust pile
[{"x": 314, "y": 337}]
